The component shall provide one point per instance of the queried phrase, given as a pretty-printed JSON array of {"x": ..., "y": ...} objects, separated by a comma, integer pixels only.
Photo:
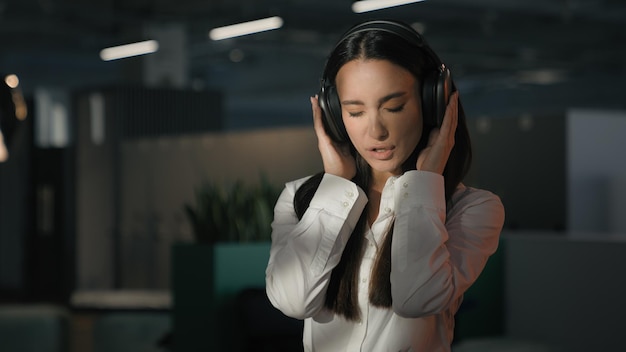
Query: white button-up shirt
[{"x": 435, "y": 256}]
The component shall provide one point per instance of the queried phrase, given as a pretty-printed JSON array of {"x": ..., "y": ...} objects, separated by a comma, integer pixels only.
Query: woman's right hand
[{"x": 336, "y": 158}]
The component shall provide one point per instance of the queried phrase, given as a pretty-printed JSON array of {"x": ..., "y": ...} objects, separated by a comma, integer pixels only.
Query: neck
[{"x": 378, "y": 181}]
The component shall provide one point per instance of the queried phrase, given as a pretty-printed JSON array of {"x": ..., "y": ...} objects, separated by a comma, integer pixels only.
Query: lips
[{"x": 381, "y": 152}]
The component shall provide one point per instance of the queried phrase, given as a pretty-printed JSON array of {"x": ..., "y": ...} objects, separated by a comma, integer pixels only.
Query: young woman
[{"x": 376, "y": 251}]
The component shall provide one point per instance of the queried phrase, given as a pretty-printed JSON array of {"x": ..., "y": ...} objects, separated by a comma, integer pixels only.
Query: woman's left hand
[{"x": 441, "y": 140}]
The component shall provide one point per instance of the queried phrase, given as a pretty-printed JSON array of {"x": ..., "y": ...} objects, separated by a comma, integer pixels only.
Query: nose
[{"x": 376, "y": 128}]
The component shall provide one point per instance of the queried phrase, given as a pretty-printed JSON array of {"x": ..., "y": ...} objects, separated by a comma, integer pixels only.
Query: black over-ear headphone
[{"x": 436, "y": 88}]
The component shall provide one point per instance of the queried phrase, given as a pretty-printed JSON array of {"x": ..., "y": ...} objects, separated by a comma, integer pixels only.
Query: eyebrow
[{"x": 381, "y": 101}]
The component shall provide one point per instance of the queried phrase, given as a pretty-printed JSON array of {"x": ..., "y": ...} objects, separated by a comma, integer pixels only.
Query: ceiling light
[
  {"x": 420, "y": 27},
  {"x": 372, "y": 5},
  {"x": 245, "y": 28},
  {"x": 128, "y": 50},
  {"x": 541, "y": 76},
  {"x": 12, "y": 81}
]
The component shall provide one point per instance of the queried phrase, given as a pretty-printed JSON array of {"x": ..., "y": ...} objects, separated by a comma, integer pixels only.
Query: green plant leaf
[{"x": 241, "y": 213}]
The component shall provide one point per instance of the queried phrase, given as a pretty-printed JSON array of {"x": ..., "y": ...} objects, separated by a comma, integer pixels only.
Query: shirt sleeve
[
  {"x": 303, "y": 253},
  {"x": 437, "y": 256}
]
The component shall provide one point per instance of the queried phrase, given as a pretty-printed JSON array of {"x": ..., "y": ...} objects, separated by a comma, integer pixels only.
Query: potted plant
[
  {"x": 231, "y": 228},
  {"x": 241, "y": 214}
]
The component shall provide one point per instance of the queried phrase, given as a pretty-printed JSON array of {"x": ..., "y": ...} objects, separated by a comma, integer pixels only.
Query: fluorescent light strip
[
  {"x": 245, "y": 28},
  {"x": 128, "y": 50},
  {"x": 372, "y": 5}
]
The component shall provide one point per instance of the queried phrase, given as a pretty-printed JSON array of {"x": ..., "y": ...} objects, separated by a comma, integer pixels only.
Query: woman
[{"x": 376, "y": 251}]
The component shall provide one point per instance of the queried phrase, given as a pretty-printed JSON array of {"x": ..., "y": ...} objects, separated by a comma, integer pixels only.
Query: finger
[
  {"x": 455, "y": 116},
  {"x": 450, "y": 120},
  {"x": 315, "y": 109},
  {"x": 434, "y": 135},
  {"x": 318, "y": 125}
]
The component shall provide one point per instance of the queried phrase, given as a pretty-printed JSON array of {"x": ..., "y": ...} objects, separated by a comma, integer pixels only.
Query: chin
[{"x": 386, "y": 166}]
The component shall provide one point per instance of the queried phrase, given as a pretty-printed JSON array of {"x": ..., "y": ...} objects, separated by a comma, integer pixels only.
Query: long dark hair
[{"x": 342, "y": 292}]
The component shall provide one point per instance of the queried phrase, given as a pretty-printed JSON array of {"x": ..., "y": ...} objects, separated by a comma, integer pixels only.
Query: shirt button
[
  {"x": 350, "y": 194},
  {"x": 345, "y": 204},
  {"x": 363, "y": 280},
  {"x": 406, "y": 195},
  {"x": 387, "y": 210},
  {"x": 405, "y": 185}
]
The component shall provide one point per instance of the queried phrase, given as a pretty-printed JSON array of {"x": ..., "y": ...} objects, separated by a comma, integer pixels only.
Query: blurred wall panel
[
  {"x": 16, "y": 217},
  {"x": 107, "y": 118},
  {"x": 522, "y": 159}
]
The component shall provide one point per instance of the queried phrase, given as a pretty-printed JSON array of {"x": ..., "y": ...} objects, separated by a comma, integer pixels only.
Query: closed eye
[
  {"x": 396, "y": 109},
  {"x": 355, "y": 114}
]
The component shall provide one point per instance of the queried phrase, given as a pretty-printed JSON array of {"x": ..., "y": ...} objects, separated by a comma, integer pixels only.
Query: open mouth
[
  {"x": 382, "y": 153},
  {"x": 381, "y": 149}
]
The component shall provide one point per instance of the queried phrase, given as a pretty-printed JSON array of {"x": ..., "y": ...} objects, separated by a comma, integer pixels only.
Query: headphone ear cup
[
  {"x": 443, "y": 92},
  {"x": 436, "y": 92},
  {"x": 428, "y": 99},
  {"x": 331, "y": 117}
]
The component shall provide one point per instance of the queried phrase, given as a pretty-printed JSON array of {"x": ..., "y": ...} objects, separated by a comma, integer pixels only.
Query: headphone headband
[{"x": 402, "y": 30}]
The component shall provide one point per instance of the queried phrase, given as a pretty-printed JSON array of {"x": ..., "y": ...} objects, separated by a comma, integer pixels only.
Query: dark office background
[{"x": 540, "y": 81}]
